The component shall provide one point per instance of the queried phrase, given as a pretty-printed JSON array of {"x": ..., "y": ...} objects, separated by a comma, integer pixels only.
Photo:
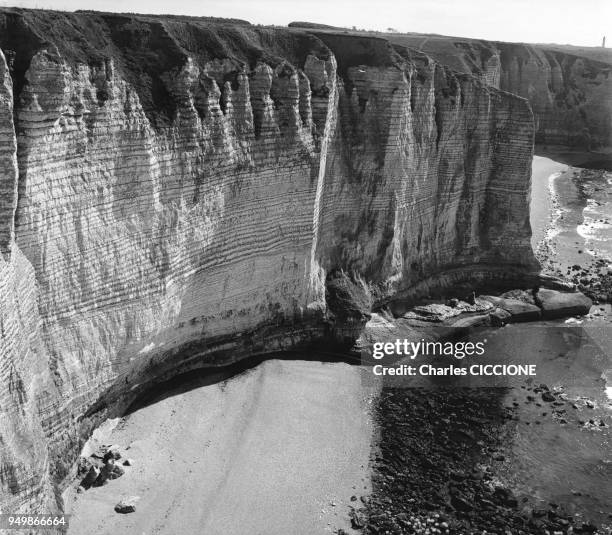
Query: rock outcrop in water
[{"x": 179, "y": 193}]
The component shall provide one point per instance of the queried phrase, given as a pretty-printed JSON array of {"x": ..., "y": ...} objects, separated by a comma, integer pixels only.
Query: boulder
[
  {"x": 112, "y": 453},
  {"x": 91, "y": 476},
  {"x": 116, "y": 472},
  {"x": 127, "y": 505},
  {"x": 438, "y": 312},
  {"x": 433, "y": 312},
  {"x": 499, "y": 317},
  {"x": 519, "y": 310},
  {"x": 358, "y": 520},
  {"x": 99, "y": 453},
  {"x": 470, "y": 322},
  {"x": 109, "y": 471},
  {"x": 505, "y": 496},
  {"x": 556, "y": 304},
  {"x": 84, "y": 465},
  {"x": 103, "y": 476},
  {"x": 460, "y": 503}
]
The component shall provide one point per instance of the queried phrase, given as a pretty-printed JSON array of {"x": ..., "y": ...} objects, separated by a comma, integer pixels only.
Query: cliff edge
[
  {"x": 569, "y": 89},
  {"x": 180, "y": 193}
]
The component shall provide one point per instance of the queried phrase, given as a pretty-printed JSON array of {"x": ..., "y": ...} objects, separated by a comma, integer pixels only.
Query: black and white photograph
[{"x": 271, "y": 267}]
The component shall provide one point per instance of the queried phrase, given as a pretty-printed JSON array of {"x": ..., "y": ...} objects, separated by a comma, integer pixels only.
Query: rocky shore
[
  {"x": 438, "y": 462},
  {"x": 435, "y": 318},
  {"x": 564, "y": 253},
  {"x": 443, "y": 463},
  {"x": 594, "y": 275},
  {"x": 439, "y": 457}
]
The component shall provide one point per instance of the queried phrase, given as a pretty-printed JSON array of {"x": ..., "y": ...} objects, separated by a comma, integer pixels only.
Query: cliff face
[
  {"x": 177, "y": 192},
  {"x": 571, "y": 96},
  {"x": 570, "y": 93}
]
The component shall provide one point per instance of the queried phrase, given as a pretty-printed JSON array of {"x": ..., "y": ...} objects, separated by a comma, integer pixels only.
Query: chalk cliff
[
  {"x": 179, "y": 193},
  {"x": 569, "y": 89}
]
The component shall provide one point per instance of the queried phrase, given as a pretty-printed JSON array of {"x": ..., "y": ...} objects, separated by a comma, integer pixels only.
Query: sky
[{"x": 576, "y": 22}]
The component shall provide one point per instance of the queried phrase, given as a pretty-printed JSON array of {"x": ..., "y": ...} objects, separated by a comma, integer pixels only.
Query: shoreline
[
  {"x": 544, "y": 203},
  {"x": 394, "y": 467},
  {"x": 520, "y": 459},
  {"x": 566, "y": 250},
  {"x": 465, "y": 476},
  {"x": 576, "y": 158},
  {"x": 146, "y": 435}
]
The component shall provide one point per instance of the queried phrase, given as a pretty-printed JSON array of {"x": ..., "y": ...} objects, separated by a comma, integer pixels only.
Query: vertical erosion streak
[
  {"x": 8, "y": 160},
  {"x": 328, "y": 131}
]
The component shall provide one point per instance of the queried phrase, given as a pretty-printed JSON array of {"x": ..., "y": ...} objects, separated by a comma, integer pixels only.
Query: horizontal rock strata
[
  {"x": 570, "y": 90},
  {"x": 179, "y": 193}
]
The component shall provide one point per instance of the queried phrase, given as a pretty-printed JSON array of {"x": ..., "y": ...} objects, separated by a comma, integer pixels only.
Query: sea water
[
  {"x": 552, "y": 456},
  {"x": 596, "y": 227},
  {"x": 581, "y": 222}
]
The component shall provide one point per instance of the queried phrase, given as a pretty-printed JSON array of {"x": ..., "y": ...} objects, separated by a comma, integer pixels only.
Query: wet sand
[
  {"x": 561, "y": 451},
  {"x": 279, "y": 449},
  {"x": 574, "y": 241},
  {"x": 540, "y": 217}
]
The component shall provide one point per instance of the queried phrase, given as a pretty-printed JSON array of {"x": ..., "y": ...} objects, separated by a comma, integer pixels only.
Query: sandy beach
[
  {"x": 281, "y": 448},
  {"x": 542, "y": 170}
]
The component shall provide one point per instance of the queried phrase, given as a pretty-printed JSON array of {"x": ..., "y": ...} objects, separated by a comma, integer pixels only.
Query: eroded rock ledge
[{"x": 176, "y": 192}]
